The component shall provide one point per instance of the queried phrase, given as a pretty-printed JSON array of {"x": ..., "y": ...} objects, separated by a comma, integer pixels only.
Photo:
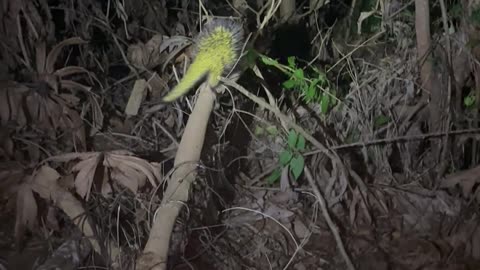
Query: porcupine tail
[{"x": 218, "y": 48}]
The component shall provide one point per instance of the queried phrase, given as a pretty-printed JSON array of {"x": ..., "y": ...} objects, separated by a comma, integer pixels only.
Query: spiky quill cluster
[{"x": 218, "y": 48}]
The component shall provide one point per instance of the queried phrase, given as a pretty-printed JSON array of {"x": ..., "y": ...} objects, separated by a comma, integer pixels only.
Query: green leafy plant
[
  {"x": 469, "y": 101},
  {"x": 475, "y": 17},
  {"x": 313, "y": 85},
  {"x": 268, "y": 131},
  {"x": 290, "y": 157},
  {"x": 381, "y": 120}
]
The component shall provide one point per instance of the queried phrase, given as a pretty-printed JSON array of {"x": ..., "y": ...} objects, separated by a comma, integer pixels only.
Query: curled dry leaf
[
  {"x": 137, "y": 164},
  {"x": 151, "y": 54},
  {"x": 11, "y": 177},
  {"x": 97, "y": 115},
  {"x": 26, "y": 213},
  {"x": 43, "y": 102},
  {"x": 465, "y": 179},
  {"x": 71, "y": 156},
  {"x": 48, "y": 111},
  {"x": 125, "y": 176},
  {"x": 11, "y": 95},
  {"x": 71, "y": 70},
  {"x": 74, "y": 86},
  {"x": 119, "y": 166},
  {"x": 51, "y": 112},
  {"x": 6, "y": 144},
  {"x": 84, "y": 179},
  {"x": 146, "y": 55},
  {"x": 55, "y": 52},
  {"x": 44, "y": 182}
]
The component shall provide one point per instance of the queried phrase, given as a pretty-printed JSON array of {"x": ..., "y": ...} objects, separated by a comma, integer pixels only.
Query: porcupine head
[{"x": 218, "y": 48}]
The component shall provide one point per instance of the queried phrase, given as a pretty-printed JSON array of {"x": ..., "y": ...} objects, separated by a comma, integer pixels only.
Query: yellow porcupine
[{"x": 218, "y": 48}]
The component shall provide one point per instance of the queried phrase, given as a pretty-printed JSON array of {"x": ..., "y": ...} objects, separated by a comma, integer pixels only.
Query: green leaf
[
  {"x": 292, "y": 139},
  {"x": 291, "y": 61},
  {"x": 274, "y": 176},
  {"x": 251, "y": 57},
  {"x": 258, "y": 131},
  {"x": 298, "y": 73},
  {"x": 304, "y": 86},
  {"x": 285, "y": 157},
  {"x": 300, "y": 143},
  {"x": 334, "y": 100},
  {"x": 269, "y": 61},
  {"x": 381, "y": 120},
  {"x": 309, "y": 96},
  {"x": 324, "y": 103},
  {"x": 311, "y": 91},
  {"x": 322, "y": 77},
  {"x": 316, "y": 69},
  {"x": 296, "y": 166},
  {"x": 272, "y": 130},
  {"x": 289, "y": 84},
  {"x": 469, "y": 101}
]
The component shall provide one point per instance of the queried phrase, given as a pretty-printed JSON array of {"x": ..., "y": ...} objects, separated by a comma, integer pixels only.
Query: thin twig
[
  {"x": 316, "y": 143},
  {"x": 397, "y": 139},
  {"x": 449, "y": 86},
  {"x": 328, "y": 219},
  {"x": 280, "y": 115},
  {"x": 26, "y": 58},
  {"x": 377, "y": 35}
]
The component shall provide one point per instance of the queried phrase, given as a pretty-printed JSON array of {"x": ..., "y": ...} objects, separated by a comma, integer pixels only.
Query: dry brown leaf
[
  {"x": 465, "y": 179},
  {"x": 106, "y": 186},
  {"x": 55, "y": 52},
  {"x": 285, "y": 179},
  {"x": 157, "y": 84},
  {"x": 72, "y": 86},
  {"x": 40, "y": 56},
  {"x": 44, "y": 182},
  {"x": 6, "y": 143},
  {"x": 26, "y": 213},
  {"x": 33, "y": 153},
  {"x": 136, "y": 54},
  {"x": 476, "y": 243},
  {"x": 72, "y": 156},
  {"x": 136, "y": 97},
  {"x": 174, "y": 45},
  {"x": 4, "y": 107},
  {"x": 69, "y": 99},
  {"x": 67, "y": 182},
  {"x": 150, "y": 55},
  {"x": 11, "y": 95},
  {"x": 76, "y": 123},
  {"x": 11, "y": 177},
  {"x": 33, "y": 108},
  {"x": 54, "y": 112},
  {"x": 51, "y": 220},
  {"x": 71, "y": 70},
  {"x": 121, "y": 152},
  {"x": 139, "y": 164},
  {"x": 47, "y": 110},
  {"x": 128, "y": 178},
  {"x": 97, "y": 116},
  {"x": 49, "y": 80},
  {"x": 123, "y": 168},
  {"x": 301, "y": 230},
  {"x": 84, "y": 179}
]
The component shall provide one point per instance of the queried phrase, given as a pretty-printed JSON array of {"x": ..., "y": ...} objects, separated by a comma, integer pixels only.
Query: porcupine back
[{"x": 217, "y": 49}]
